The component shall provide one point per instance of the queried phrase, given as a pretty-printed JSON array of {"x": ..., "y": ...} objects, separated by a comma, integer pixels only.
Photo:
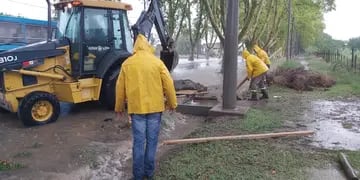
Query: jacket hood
[
  {"x": 142, "y": 44},
  {"x": 245, "y": 54},
  {"x": 257, "y": 48}
]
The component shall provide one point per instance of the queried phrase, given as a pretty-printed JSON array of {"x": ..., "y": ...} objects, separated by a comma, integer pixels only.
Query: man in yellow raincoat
[
  {"x": 262, "y": 55},
  {"x": 143, "y": 81},
  {"x": 256, "y": 72}
]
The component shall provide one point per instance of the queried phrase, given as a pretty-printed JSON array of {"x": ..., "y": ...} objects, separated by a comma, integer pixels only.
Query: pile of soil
[
  {"x": 188, "y": 84},
  {"x": 300, "y": 79}
]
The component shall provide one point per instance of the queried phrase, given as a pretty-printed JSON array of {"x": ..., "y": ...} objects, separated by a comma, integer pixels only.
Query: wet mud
[{"x": 336, "y": 123}]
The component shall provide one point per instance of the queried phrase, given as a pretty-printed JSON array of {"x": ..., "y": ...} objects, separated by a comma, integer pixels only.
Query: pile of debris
[
  {"x": 300, "y": 79},
  {"x": 188, "y": 84}
]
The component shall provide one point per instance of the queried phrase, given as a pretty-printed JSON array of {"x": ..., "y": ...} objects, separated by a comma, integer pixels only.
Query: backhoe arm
[{"x": 154, "y": 16}]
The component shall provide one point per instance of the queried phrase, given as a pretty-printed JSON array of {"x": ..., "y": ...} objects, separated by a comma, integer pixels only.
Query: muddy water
[
  {"x": 336, "y": 123},
  {"x": 204, "y": 71}
]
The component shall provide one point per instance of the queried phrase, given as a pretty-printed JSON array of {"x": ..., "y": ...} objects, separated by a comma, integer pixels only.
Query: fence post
[
  {"x": 355, "y": 63},
  {"x": 352, "y": 57}
]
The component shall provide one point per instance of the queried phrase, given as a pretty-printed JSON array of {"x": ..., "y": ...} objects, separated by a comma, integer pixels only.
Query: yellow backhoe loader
[{"x": 81, "y": 64}]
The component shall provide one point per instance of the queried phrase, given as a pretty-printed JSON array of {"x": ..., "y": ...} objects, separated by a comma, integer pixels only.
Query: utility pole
[
  {"x": 230, "y": 55},
  {"x": 288, "y": 43}
]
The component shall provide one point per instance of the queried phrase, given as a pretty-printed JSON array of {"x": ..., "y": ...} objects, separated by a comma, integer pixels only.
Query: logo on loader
[{"x": 8, "y": 59}]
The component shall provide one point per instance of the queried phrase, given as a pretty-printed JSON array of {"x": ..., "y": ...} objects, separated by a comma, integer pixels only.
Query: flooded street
[
  {"x": 336, "y": 123},
  {"x": 206, "y": 72}
]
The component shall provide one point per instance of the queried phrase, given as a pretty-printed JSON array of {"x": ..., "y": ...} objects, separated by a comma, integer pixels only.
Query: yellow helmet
[
  {"x": 256, "y": 48},
  {"x": 245, "y": 54}
]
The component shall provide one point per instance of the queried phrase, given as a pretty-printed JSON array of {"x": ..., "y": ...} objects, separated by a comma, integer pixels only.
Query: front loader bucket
[{"x": 170, "y": 59}]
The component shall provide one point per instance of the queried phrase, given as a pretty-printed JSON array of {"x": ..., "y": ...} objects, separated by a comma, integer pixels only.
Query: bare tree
[
  {"x": 174, "y": 12},
  {"x": 195, "y": 26},
  {"x": 210, "y": 39}
]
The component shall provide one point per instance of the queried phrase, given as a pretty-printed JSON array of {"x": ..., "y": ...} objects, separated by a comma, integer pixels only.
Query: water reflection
[{"x": 336, "y": 124}]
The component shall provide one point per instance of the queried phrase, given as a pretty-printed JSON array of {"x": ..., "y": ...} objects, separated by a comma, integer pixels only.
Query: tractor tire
[
  {"x": 4, "y": 111},
  {"x": 39, "y": 108},
  {"x": 108, "y": 90}
]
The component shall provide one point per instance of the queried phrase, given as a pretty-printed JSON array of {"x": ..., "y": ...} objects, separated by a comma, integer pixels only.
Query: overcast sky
[{"x": 340, "y": 24}]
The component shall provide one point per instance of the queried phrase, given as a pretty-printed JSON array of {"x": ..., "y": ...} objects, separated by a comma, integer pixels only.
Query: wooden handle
[
  {"x": 241, "y": 83},
  {"x": 249, "y": 136}
]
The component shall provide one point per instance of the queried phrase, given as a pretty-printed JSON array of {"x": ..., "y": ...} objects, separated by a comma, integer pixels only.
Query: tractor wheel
[
  {"x": 108, "y": 88},
  {"x": 39, "y": 108},
  {"x": 3, "y": 110}
]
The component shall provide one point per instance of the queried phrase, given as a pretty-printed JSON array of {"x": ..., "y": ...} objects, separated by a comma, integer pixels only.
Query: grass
[
  {"x": 6, "y": 165},
  {"x": 258, "y": 120},
  {"x": 259, "y": 159},
  {"x": 347, "y": 83},
  {"x": 239, "y": 160},
  {"x": 290, "y": 64},
  {"x": 354, "y": 158},
  {"x": 253, "y": 159}
]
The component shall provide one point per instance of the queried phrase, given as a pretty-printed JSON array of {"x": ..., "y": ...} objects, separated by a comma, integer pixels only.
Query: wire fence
[{"x": 339, "y": 60}]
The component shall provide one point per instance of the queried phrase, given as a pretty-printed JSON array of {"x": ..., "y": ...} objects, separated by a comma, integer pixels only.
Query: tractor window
[
  {"x": 129, "y": 40},
  {"x": 72, "y": 33},
  {"x": 96, "y": 34},
  {"x": 96, "y": 26},
  {"x": 118, "y": 35}
]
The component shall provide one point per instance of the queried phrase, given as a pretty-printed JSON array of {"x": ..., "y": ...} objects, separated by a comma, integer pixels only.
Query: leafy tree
[
  {"x": 326, "y": 42},
  {"x": 216, "y": 12},
  {"x": 354, "y": 43}
]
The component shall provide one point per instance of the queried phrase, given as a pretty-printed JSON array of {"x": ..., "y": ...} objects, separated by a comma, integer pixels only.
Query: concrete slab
[
  {"x": 197, "y": 107},
  {"x": 240, "y": 110}
]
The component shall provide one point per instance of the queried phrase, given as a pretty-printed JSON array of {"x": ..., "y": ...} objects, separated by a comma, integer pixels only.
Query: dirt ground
[{"x": 80, "y": 145}]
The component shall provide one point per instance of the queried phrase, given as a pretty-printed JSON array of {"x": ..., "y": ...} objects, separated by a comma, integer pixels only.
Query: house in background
[{"x": 18, "y": 31}]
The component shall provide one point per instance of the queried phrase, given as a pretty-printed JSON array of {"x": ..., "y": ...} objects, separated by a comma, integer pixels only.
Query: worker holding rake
[
  {"x": 262, "y": 55},
  {"x": 256, "y": 72}
]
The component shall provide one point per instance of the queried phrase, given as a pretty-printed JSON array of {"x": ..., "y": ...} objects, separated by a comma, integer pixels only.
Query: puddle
[
  {"x": 206, "y": 72},
  {"x": 336, "y": 124}
]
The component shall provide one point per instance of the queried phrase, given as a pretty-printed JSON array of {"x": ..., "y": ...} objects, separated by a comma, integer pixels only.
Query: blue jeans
[{"x": 145, "y": 129}]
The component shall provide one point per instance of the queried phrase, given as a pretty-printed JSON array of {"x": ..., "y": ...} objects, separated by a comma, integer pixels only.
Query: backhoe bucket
[{"x": 170, "y": 59}]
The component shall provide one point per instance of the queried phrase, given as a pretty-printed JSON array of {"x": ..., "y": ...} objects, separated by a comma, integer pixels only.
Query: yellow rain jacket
[
  {"x": 143, "y": 81},
  {"x": 254, "y": 66},
  {"x": 262, "y": 54}
]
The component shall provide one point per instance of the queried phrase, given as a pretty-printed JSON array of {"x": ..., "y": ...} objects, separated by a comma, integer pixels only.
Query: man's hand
[
  {"x": 119, "y": 115},
  {"x": 172, "y": 110}
]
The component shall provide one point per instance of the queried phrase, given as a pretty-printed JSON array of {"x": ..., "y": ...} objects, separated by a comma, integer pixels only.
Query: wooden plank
[
  {"x": 349, "y": 171},
  {"x": 238, "y": 137},
  {"x": 190, "y": 92}
]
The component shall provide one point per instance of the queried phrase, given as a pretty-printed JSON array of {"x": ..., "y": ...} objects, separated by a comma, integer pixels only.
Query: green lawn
[
  {"x": 347, "y": 83},
  {"x": 5, "y": 165},
  {"x": 260, "y": 159}
]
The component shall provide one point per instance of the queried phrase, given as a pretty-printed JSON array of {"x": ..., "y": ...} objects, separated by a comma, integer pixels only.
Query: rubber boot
[
  {"x": 265, "y": 95},
  {"x": 253, "y": 97}
]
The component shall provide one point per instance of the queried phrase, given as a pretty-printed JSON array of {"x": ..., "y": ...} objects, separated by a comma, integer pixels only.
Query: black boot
[
  {"x": 265, "y": 95},
  {"x": 253, "y": 97}
]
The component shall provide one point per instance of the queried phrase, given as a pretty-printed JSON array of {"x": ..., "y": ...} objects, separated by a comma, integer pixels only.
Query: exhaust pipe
[{"x": 49, "y": 33}]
